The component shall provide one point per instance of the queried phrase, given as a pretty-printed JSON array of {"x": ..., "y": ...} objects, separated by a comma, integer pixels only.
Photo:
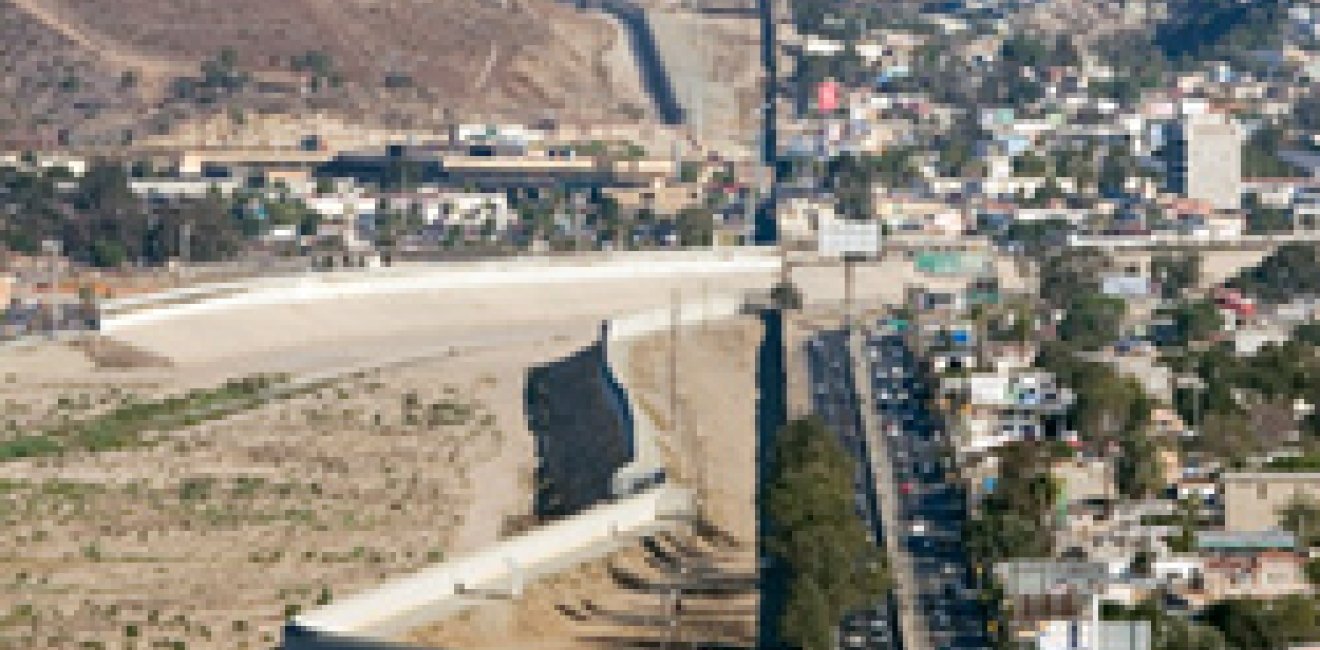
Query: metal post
[
  {"x": 848, "y": 293},
  {"x": 185, "y": 245},
  {"x": 674, "y": 322}
]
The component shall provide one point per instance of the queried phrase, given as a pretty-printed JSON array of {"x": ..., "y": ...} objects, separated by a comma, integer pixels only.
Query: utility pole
[
  {"x": 674, "y": 321},
  {"x": 54, "y": 248},
  {"x": 185, "y": 245},
  {"x": 848, "y": 282},
  {"x": 676, "y": 604}
]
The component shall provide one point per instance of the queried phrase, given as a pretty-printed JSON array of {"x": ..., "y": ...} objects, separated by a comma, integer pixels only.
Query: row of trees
[
  {"x": 102, "y": 223},
  {"x": 816, "y": 535}
]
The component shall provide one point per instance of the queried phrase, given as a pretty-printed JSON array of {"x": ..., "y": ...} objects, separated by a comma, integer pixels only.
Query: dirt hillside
[{"x": 530, "y": 58}]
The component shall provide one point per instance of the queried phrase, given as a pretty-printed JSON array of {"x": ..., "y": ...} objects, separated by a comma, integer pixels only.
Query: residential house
[
  {"x": 913, "y": 215},
  {"x": 1054, "y": 604},
  {"x": 990, "y": 409},
  {"x": 800, "y": 218},
  {"x": 1269, "y": 574}
]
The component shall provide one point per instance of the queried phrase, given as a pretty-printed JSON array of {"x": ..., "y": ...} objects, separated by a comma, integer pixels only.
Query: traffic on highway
[{"x": 948, "y": 611}]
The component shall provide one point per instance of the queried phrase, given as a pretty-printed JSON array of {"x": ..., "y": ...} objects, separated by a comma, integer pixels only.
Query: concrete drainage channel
[
  {"x": 645, "y": 505},
  {"x": 655, "y": 77}
]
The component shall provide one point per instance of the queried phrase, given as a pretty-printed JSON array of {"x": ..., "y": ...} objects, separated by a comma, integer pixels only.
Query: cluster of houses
[
  {"x": 1179, "y": 151},
  {"x": 473, "y": 185},
  {"x": 1210, "y": 532}
]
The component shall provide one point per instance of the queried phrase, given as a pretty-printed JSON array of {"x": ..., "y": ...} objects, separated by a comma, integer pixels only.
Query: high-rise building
[{"x": 1205, "y": 160}]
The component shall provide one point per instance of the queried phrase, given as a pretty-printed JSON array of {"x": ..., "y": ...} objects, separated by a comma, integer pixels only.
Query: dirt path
[
  {"x": 107, "y": 50},
  {"x": 151, "y": 68}
]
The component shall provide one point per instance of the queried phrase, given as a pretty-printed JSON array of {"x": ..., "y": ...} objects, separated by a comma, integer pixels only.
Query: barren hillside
[{"x": 517, "y": 58}]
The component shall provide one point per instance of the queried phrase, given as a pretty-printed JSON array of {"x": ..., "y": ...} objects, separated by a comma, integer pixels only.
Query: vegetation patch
[{"x": 127, "y": 424}]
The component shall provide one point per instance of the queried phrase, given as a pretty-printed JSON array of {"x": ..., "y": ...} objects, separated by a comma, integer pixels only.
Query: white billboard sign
[{"x": 848, "y": 238}]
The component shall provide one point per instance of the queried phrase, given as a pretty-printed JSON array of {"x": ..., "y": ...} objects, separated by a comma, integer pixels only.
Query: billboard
[
  {"x": 1125, "y": 286},
  {"x": 849, "y": 238}
]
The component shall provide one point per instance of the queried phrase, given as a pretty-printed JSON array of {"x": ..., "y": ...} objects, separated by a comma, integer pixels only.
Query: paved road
[
  {"x": 834, "y": 400},
  {"x": 766, "y": 230},
  {"x": 947, "y": 611}
]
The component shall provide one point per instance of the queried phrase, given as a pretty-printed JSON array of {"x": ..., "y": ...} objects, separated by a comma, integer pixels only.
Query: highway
[
  {"x": 766, "y": 230},
  {"x": 945, "y": 612},
  {"x": 834, "y": 400}
]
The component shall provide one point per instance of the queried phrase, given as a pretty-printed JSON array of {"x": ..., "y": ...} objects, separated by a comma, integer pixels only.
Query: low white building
[
  {"x": 996, "y": 408},
  {"x": 183, "y": 188},
  {"x": 465, "y": 209}
]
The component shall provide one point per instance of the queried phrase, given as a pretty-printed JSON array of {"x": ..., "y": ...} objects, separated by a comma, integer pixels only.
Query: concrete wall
[
  {"x": 281, "y": 290},
  {"x": 392, "y": 609},
  {"x": 644, "y": 504}
]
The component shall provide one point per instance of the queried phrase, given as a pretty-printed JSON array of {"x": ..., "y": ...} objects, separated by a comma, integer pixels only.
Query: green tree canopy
[{"x": 817, "y": 536}]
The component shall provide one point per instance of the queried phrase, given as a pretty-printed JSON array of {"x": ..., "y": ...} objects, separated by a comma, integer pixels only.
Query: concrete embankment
[{"x": 645, "y": 505}]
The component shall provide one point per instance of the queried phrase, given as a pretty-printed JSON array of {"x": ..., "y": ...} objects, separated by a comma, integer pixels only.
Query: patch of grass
[{"x": 125, "y": 425}]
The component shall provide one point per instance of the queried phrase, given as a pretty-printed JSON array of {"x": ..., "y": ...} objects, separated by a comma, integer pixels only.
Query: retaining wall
[
  {"x": 499, "y": 571},
  {"x": 644, "y": 505}
]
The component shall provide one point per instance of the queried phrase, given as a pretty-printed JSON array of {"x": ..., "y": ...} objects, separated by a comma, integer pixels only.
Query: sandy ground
[
  {"x": 714, "y": 447},
  {"x": 596, "y": 606},
  {"x": 217, "y": 532}
]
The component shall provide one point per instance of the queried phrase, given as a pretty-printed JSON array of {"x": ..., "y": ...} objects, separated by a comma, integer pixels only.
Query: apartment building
[{"x": 1205, "y": 160}]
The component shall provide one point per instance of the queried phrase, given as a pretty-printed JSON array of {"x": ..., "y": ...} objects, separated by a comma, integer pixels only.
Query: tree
[
  {"x": 1115, "y": 171},
  {"x": 1093, "y": 321},
  {"x": 1308, "y": 333},
  {"x": 1302, "y": 517},
  {"x": 1247, "y": 624},
  {"x": 696, "y": 227},
  {"x": 1014, "y": 515},
  {"x": 1137, "y": 468},
  {"x": 1260, "y": 155},
  {"x": 1175, "y": 273},
  {"x": 785, "y": 295},
  {"x": 1109, "y": 407},
  {"x": 1030, "y": 164},
  {"x": 1195, "y": 321},
  {"x": 816, "y": 534},
  {"x": 1063, "y": 277},
  {"x": 1292, "y": 269}
]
